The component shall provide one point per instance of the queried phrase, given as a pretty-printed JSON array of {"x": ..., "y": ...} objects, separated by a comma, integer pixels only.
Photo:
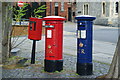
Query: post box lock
[
  {"x": 49, "y": 26},
  {"x": 49, "y": 46}
]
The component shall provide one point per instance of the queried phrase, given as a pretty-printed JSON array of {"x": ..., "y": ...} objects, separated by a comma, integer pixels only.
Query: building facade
[
  {"x": 64, "y": 9},
  {"x": 106, "y": 12}
]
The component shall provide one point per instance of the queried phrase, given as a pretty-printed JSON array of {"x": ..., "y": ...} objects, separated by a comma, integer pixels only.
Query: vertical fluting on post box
[
  {"x": 53, "y": 43},
  {"x": 84, "y": 45}
]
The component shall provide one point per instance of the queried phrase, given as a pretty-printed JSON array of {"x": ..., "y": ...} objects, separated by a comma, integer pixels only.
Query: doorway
[
  {"x": 69, "y": 14},
  {"x": 56, "y": 11}
]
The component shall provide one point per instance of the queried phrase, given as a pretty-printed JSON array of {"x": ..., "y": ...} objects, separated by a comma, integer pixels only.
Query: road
[
  {"x": 106, "y": 34},
  {"x": 100, "y": 33},
  {"x": 104, "y": 41}
]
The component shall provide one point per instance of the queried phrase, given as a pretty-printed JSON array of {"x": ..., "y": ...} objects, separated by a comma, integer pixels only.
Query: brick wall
[{"x": 60, "y": 13}]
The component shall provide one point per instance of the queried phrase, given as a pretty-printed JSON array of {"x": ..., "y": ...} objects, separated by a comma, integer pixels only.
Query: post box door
[
  {"x": 35, "y": 29},
  {"x": 84, "y": 42},
  {"x": 54, "y": 41}
]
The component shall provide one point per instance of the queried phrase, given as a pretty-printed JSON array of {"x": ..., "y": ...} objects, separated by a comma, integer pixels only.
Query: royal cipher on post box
[
  {"x": 35, "y": 29},
  {"x": 53, "y": 43}
]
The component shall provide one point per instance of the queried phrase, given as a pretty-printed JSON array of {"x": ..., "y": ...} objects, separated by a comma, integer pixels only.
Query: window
[
  {"x": 116, "y": 7},
  {"x": 86, "y": 10},
  {"x": 56, "y": 8},
  {"x": 69, "y": 2},
  {"x": 62, "y": 5},
  {"x": 56, "y": 4},
  {"x": 103, "y": 8}
]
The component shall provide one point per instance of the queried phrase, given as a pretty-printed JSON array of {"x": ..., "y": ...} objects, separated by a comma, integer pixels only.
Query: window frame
[
  {"x": 84, "y": 8},
  {"x": 104, "y": 8},
  {"x": 115, "y": 7}
]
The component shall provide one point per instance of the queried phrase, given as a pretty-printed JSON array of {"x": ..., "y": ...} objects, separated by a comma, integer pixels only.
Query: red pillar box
[
  {"x": 35, "y": 29},
  {"x": 53, "y": 43}
]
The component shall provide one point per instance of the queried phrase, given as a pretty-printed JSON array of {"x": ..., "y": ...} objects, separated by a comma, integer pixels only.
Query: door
[
  {"x": 56, "y": 11},
  {"x": 69, "y": 14}
]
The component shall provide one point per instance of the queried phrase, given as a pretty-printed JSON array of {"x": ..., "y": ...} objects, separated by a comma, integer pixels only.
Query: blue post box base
[
  {"x": 53, "y": 65},
  {"x": 84, "y": 69}
]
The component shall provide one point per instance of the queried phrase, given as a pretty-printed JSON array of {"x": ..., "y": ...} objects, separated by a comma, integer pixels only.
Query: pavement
[
  {"x": 102, "y": 57},
  {"x": 37, "y": 70}
]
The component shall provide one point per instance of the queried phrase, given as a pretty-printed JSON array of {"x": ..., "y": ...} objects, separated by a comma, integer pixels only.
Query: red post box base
[
  {"x": 84, "y": 69},
  {"x": 53, "y": 65}
]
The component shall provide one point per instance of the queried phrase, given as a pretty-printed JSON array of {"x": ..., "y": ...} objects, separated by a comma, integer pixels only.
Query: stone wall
[{"x": 95, "y": 9}]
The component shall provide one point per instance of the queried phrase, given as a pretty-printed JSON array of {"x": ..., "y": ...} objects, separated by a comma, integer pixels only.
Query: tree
[
  {"x": 21, "y": 13},
  {"x": 6, "y": 29},
  {"x": 6, "y": 12},
  {"x": 0, "y": 33},
  {"x": 18, "y": 14},
  {"x": 39, "y": 9}
]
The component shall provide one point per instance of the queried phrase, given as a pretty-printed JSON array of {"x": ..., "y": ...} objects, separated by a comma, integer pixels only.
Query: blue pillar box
[{"x": 84, "y": 45}]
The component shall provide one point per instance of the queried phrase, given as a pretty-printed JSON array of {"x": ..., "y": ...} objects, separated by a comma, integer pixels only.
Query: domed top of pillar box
[
  {"x": 85, "y": 18},
  {"x": 54, "y": 18}
]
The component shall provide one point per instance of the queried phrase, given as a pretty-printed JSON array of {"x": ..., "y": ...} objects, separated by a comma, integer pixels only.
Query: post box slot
[
  {"x": 34, "y": 26},
  {"x": 30, "y": 26},
  {"x": 82, "y": 28},
  {"x": 32, "y": 22},
  {"x": 81, "y": 23},
  {"x": 49, "y": 26}
]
